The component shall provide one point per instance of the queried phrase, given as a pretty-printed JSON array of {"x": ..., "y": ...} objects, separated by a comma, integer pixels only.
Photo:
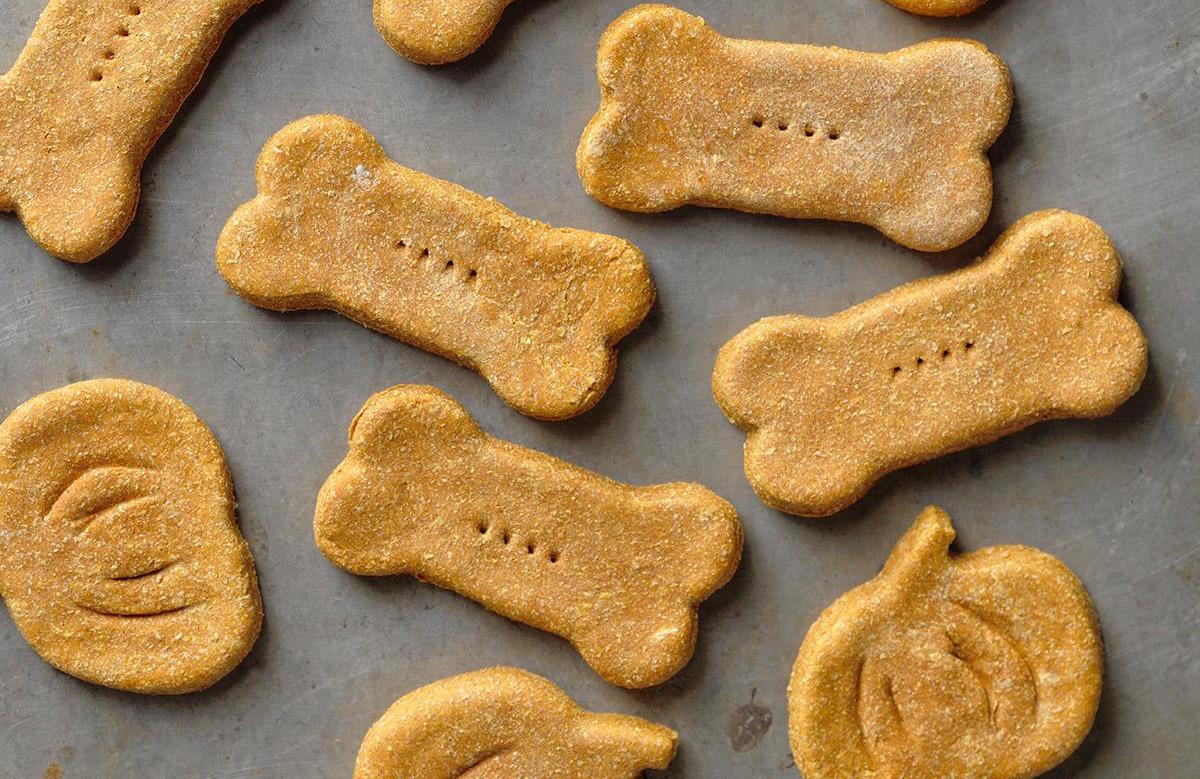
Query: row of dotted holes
[
  {"x": 472, "y": 274},
  {"x": 782, "y": 126},
  {"x": 109, "y": 52},
  {"x": 506, "y": 539},
  {"x": 920, "y": 361}
]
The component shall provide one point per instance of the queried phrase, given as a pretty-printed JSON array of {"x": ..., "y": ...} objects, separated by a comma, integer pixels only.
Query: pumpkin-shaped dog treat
[
  {"x": 986, "y": 665},
  {"x": 897, "y": 141},
  {"x": 97, "y": 84},
  {"x": 939, "y": 7},
  {"x": 536, "y": 310},
  {"x": 503, "y": 722},
  {"x": 122, "y": 563},
  {"x": 1032, "y": 332},
  {"x": 617, "y": 570},
  {"x": 436, "y": 32}
]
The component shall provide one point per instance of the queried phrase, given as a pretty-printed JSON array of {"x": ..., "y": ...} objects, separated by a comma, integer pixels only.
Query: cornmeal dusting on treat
[
  {"x": 507, "y": 722},
  {"x": 617, "y": 570},
  {"x": 96, "y": 85},
  {"x": 939, "y": 7},
  {"x": 436, "y": 32},
  {"x": 986, "y": 665},
  {"x": 120, "y": 558},
  {"x": 898, "y": 141},
  {"x": 1030, "y": 333},
  {"x": 337, "y": 225}
]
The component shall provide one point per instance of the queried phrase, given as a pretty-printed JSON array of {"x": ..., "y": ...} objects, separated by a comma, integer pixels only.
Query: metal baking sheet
[{"x": 1107, "y": 123}]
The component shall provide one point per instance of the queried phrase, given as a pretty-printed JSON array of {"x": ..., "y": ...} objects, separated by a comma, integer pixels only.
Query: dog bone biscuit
[
  {"x": 504, "y": 722},
  {"x": 898, "y": 141},
  {"x": 96, "y": 85},
  {"x": 939, "y": 7},
  {"x": 617, "y": 570},
  {"x": 1032, "y": 332},
  {"x": 122, "y": 563},
  {"x": 437, "y": 32},
  {"x": 337, "y": 225},
  {"x": 984, "y": 665}
]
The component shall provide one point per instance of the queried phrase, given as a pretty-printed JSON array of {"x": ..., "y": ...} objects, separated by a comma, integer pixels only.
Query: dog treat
[
  {"x": 898, "y": 141},
  {"x": 503, "y": 722},
  {"x": 1031, "y": 332},
  {"x": 984, "y": 665},
  {"x": 337, "y": 225},
  {"x": 96, "y": 85},
  {"x": 617, "y": 570},
  {"x": 939, "y": 7},
  {"x": 437, "y": 32},
  {"x": 122, "y": 563}
]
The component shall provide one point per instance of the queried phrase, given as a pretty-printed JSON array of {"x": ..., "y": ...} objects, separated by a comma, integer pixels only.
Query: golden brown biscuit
[
  {"x": 504, "y": 722},
  {"x": 898, "y": 141},
  {"x": 1031, "y": 332},
  {"x": 939, "y": 7},
  {"x": 337, "y": 225},
  {"x": 436, "y": 32},
  {"x": 96, "y": 85},
  {"x": 617, "y": 570},
  {"x": 122, "y": 563},
  {"x": 985, "y": 665}
]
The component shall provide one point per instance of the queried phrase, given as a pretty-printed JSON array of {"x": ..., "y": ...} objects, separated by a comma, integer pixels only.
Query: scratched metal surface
[{"x": 1107, "y": 123}]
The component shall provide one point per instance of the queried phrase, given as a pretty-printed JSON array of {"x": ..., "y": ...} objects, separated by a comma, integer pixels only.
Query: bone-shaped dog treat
[
  {"x": 939, "y": 7},
  {"x": 94, "y": 88},
  {"x": 504, "y": 722},
  {"x": 1032, "y": 332},
  {"x": 986, "y": 665},
  {"x": 337, "y": 225},
  {"x": 617, "y": 570},
  {"x": 898, "y": 141},
  {"x": 122, "y": 563},
  {"x": 436, "y": 32}
]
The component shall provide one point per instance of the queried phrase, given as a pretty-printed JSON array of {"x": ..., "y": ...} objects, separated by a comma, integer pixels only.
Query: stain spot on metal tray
[{"x": 748, "y": 724}]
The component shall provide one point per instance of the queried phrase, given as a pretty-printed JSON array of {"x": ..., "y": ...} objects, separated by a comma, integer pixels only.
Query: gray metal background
[{"x": 1107, "y": 123}]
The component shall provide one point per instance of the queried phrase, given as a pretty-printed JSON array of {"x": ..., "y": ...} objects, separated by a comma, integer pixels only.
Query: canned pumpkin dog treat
[
  {"x": 94, "y": 88},
  {"x": 536, "y": 310},
  {"x": 437, "y": 32},
  {"x": 987, "y": 665},
  {"x": 122, "y": 563},
  {"x": 507, "y": 722},
  {"x": 898, "y": 141},
  {"x": 939, "y": 7},
  {"x": 617, "y": 570},
  {"x": 1031, "y": 332}
]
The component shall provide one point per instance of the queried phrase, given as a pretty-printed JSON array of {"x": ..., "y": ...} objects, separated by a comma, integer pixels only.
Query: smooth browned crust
[
  {"x": 939, "y": 7},
  {"x": 536, "y": 310},
  {"x": 1032, "y": 332},
  {"x": 507, "y": 722},
  {"x": 90, "y": 94},
  {"x": 437, "y": 32},
  {"x": 988, "y": 665},
  {"x": 122, "y": 563},
  {"x": 617, "y": 570},
  {"x": 898, "y": 141}
]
